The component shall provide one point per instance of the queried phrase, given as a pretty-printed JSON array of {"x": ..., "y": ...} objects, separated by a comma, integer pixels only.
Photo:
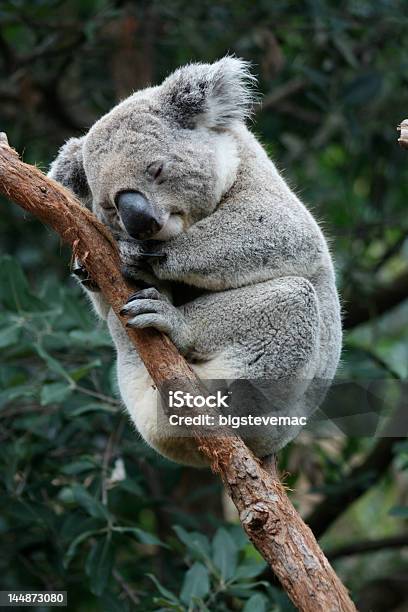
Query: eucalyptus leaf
[
  {"x": 69, "y": 555},
  {"x": 225, "y": 553},
  {"x": 55, "y": 393},
  {"x": 196, "y": 584},
  {"x": 92, "y": 505},
  {"x": 165, "y": 592},
  {"x": 9, "y": 336},
  {"x": 197, "y": 543},
  {"x": 143, "y": 536},
  {"x": 99, "y": 564},
  {"x": 256, "y": 603}
]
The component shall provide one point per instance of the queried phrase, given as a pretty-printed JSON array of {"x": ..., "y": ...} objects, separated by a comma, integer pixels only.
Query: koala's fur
[{"x": 246, "y": 278}]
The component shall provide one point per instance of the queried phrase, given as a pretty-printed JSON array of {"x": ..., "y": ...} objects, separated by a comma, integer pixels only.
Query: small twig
[
  {"x": 362, "y": 476},
  {"x": 130, "y": 592},
  {"x": 391, "y": 251},
  {"x": 100, "y": 396},
  {"x": 379, "y": 361},
  {"x": 281, "y": 93}
]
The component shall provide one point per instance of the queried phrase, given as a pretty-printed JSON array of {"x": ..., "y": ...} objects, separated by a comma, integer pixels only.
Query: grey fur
[{"x": 259, "y": 299}]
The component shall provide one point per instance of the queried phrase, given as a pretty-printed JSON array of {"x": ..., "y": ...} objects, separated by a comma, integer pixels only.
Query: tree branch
[
  {"x": 266, "y": 514},
  {"x": 377, "y": 303},
  {"x": 366, "y": 546},
  {"x": 360, "y": 479},
  {"x": 281, "y": 93}
]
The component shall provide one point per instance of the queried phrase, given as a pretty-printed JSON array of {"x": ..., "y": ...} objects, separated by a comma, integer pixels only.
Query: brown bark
[{"x": 267, "y": 515}]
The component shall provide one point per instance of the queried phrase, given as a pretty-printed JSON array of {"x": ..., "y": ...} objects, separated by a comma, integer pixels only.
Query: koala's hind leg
[
  {"x": 270, "y": 333},
  {"x": 283, "y": 355},
  {"x": 271, "y": 329},
  {"x": 140, "y": 396}
]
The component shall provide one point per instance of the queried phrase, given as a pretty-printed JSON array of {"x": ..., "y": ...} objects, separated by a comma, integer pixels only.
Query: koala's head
[{"x": 163, "y": 158}]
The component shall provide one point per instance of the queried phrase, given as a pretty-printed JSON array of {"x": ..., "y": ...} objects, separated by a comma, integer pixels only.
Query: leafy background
[{"x": 85, "y": 506}]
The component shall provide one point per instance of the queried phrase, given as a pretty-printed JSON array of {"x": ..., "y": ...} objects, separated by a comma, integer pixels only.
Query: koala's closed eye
[{"x": 157, "y": 171}]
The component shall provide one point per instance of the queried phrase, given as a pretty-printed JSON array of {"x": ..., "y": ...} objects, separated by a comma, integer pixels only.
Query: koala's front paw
[
  {"x": 135, "y": 268},
  {"x": 150, "y": 308},
  {"x": 82, "y": 275}
]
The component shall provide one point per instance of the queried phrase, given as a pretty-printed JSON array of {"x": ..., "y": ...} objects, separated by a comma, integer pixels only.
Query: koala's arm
[{"x": 240, "y": 244}]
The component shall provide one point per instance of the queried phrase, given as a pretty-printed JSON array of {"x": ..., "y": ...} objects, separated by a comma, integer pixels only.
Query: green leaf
[
  {"x": 249, "y": 569},
  {"x": 196, "y": 583},
  {"x": 83, "y": 371},
  {"x": 345, "y": 46},
  {"x": 99, "y": 565},
  {"x": 239, "y": 536},
  {"x": 362, "y": 89},
  {"x": 131, "y": 486},
  {"x": 9, "y": 336},
  {"x": 69, "y": 555},
  {"x": 256, "y": 603},
  {"x": 96, "y": 338},
  {"x": 400, "y": 511},
  {"x": 14, "y": 289},
  {"x": 92, "y": 505},
  {"x": 55, "y": 393},
  {"x": 17, "y": 392},
  {"x": 143, "y": 536},
  {"x": 168, "y": 605},
  {"x": 112, "y": 602},
  {"x": 52, "y": 363},
  {"x": 224, "y": 553},
  {"x": 92, "y": 407},
  {"x": 77, "y": 467},
  {"x": 165, "y": 592},
  {"x": 196, "y": 542}
]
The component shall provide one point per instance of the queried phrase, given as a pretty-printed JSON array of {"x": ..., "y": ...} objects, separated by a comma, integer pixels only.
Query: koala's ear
[
  {"x": 68, "y": 168},
  {"x": 210, "y": 95}
]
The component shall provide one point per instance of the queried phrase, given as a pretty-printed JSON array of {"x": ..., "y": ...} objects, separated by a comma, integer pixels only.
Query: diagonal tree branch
[
  {"x": 266, "y": 514},
  {"x": 360, "y": 479},
  {"x": 365, "y": 546},
  {"x": 377, "y": 303}
]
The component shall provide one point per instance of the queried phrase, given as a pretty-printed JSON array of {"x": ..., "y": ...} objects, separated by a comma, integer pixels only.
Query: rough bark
[{"x": 267, "y": 515}]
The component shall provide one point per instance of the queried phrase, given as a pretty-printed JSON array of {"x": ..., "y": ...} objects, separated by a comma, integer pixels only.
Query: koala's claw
[
  {"x": 82, "y": 275},
  {"x": 145, "y": 292},
  {"x": 150, "y": 308}
]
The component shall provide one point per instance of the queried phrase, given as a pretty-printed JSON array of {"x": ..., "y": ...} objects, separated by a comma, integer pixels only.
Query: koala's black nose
[{"x": 137, "y": 214}]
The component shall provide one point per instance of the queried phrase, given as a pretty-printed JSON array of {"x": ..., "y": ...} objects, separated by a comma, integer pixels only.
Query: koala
[{"x": 228, "y": 261}]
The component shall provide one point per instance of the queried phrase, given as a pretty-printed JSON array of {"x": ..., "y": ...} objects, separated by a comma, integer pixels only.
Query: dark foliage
[{"x": 85, "y": 506}]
